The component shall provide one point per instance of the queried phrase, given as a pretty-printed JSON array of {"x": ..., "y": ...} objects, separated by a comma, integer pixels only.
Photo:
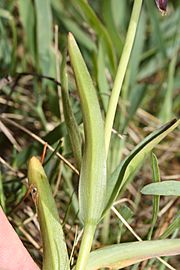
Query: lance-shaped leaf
[
  {"x": 128, "y": 167},
  {"x": 72, "y": 127},
  {"x": 166, "y": 188},
  {"x": 92, "y": 187},
  {"x": 122, "y": 255},
  {"x": 55, "y": 254}
]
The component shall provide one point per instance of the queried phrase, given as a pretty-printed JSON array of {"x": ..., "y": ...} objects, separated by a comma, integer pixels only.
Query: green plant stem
[
  {"x": 85, "y": 247},
  {"x": 106, "y": 227},
  {"x": 121, "y": 71}
]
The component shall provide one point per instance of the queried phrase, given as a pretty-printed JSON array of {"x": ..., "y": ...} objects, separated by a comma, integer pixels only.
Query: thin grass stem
[
  {"x": 85, "y": 248},
  {"x": 123, "y": 63}
]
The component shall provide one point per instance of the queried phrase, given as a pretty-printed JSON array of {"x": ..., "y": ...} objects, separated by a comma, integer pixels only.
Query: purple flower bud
[{"x": 162, "y": 5}]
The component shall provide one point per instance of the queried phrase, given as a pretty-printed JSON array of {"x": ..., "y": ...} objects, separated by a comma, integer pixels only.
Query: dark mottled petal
[{"x": 162, "y": 5}]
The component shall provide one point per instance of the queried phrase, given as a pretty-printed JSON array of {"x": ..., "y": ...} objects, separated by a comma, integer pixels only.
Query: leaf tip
[
  {"x": 34, "y": 162},
  {"x": 71, "y": 37},
  {"x": 35, "y": 169}
]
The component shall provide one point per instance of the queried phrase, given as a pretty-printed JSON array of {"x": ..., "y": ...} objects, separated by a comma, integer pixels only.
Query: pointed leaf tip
[{"x": 35, "y": 169}]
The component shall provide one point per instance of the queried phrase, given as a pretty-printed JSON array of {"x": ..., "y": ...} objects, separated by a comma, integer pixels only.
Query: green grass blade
[
  {"x": 121, "y": 71},
  {"x": 137, "y": 51},
  {"x": 120, "y": 13},
  {"x": 71, "y": 26},
  {"x": 165, "y": 188},
  {"x": 122, "y": 255},
  {"x": 111, "y": 27},
  {"x": 6, "y": 15},
  {"x": 44, "y": 34},
  {"x": 166, "y": 112},
  {"x": 128, "y": 167},
  {"x": 27, "y": 17},
  {"x": 172, "y": 227},
  {"x": 156, "y": 199},
  {"x": 95, "y": 23},
  {"x": 157, "y": 34},
  {"x": 101, "y": 76},
  {"x": 55, "y": 254}
]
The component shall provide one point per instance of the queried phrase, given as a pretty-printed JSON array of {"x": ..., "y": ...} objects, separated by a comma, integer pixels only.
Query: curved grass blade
[
  {"x": 165, "y": 188},
  {"x": 122, "y": 255},
  {"x": 55, "y": 254},
  {"x": 121, "y": 176}
]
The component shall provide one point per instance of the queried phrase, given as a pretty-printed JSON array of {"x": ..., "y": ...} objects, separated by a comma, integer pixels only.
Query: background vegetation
[{"x": 33, "y": 38}]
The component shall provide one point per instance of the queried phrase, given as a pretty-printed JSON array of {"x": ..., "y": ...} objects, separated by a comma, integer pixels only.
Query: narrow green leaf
[
  {"x": 128, "y": 167},
  {"x": 101, "y": 76},
  {"x": 121, "y": 71},
  {"x": 167, "y": 108},
  {"x": 92, "y": 186},
  {"x": 6, "y": 15},
  {"x": 111, "y": 27},
  {"x": 172, "y": 227},
  {"x": 27, "y": 17},
  {"x": 122, "y": 255},
  {"x": 120, "y": 13},
  {"x": 72, "y": 127},
  {"x": 83, "y": 38},
  {"x": 156, "y": 199},
  {"x": 71, "y": 25},
  {"x": 95, "y": 23},
  {"x": 165, "y": 188},
  {"x": 55, "y": 254},
  {"x": 136, "y": 56},
  {"x": 44, "y": 34},
  {"x": 157, "y": 34},
  {"x": 92, "y": 189}
]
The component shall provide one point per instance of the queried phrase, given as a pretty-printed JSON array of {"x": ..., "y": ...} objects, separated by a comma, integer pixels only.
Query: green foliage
[
  {"x": 156, "y": 198},
  {"x": 122, "y": 255},
  {"x": 128, "y": 167},
  {"x": 165, "y": 188},
  {"x": 54, "y": 247},
  {"x": 134, "y": 98}
]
